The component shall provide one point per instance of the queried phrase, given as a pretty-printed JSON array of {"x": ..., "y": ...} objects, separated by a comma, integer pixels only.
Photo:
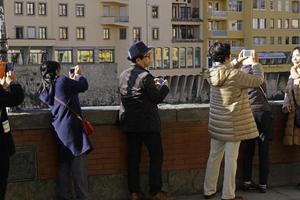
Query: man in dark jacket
[
  {"x": 263, "y": 117},
  {"x": 140, "y": 94},
  {"x": 11, "y": 94}
]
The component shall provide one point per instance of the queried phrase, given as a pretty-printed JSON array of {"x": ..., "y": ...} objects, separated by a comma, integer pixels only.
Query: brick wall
[{"x": 186, "y": 146}]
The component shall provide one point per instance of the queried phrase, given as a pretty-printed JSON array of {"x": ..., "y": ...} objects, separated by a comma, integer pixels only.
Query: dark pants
[
  {"x": 264, "y": 125},
  {"x": 152, "y": 141},
  {"x": 4, "y": 168}
]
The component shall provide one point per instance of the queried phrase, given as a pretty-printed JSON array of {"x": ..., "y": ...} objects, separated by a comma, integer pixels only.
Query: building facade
[
  {"x": 271, "y": 27},
  {"x": 93, "y": 32}
]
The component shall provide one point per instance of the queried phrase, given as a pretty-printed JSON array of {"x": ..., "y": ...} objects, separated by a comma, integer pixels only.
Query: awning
[{"x": 270, "y": 55}]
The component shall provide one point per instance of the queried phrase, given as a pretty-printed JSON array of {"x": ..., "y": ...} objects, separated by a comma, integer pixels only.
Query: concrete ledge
[{"x": 108, "y": 115}]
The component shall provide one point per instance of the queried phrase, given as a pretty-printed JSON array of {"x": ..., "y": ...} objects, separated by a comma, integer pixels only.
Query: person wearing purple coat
[{"x": 73, "y": 143}]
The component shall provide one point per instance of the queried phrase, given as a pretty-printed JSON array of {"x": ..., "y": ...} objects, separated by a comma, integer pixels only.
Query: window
[
  {"x": 259, "y": 40},
  {"x": 286, "y": 23},
  {"x": 123, "y": 33},
  {"x": 79, "y": 10},
  {"x": 63, "y": 33},
  {"x": 86, "y": 56},
  {"x": 182, "y": 58},
  {"x": 136, "y": 34},
  {"x": 42, "y": 9},
  {"x": 106, "y": 11},
  {"x": 197, "y": 57},
  {"x": 106, "y": 34},
  {"x": 154, "y": 11},
  {"x": 287, "y": 5},
  {"x": 62, "y": 9},
  {"x": 296, "y": 7},
  {"x": 287, "y": 40},
  {"x": 236, "y": 5},
  {"x": 80, "y": 33},
  {"x": 279, "y": 5},
  {"x": 259, "y": 4},
  {"x": 30, "y": 8},
  {"x": 106, "y": 55},
  {"x": 18, "y": 8},
  {"x": 189, "y": 57},
  {"x": 295, "y": 23},
  {"x": 272, "y": 24},
  {"x": 175, "y": 58},
  {"x": 37, "y": 56},
  {"x": 236, "y": 25},
  {"x": 63, "y": 56},
  {"x": 295, "y": 40},
  {"x": 279, "y": 23},
  {"x": 31, "y": 33},
  {"x": 166, "y": 58},
  {"x": 272, "y": 40},
  {"x": 158, "y": 57},
  {"x": 272, "y": 5},
  {"x": 19, "y": 32},
  {"x": 155, "y": 33},
  {"x": 279, "y": 40},
  {"x": 259, "y": 23},
  {"x": 42, "y": 32}
]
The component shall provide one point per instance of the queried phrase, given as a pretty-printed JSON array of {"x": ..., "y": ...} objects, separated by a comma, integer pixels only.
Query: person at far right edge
[
  {"x": 261, "y": 110},
  {"x": 291, "y": 100}
]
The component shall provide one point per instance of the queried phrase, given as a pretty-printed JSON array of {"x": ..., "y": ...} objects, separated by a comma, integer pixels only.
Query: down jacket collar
[{"x": 218, "y": 75}]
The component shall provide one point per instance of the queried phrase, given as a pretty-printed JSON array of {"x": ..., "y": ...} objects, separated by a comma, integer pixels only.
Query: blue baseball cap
[{"x": 138, "y": 49}]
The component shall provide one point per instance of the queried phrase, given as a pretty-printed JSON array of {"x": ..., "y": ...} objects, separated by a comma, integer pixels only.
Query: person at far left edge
[
  {"x": 11, "y": 94},
  {"x": 140, "y": 93}
]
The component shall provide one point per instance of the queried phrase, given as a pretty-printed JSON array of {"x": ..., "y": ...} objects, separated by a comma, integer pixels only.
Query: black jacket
[
  {"x": 139, "y": 98},
  {"x": 12, "y": 97}
]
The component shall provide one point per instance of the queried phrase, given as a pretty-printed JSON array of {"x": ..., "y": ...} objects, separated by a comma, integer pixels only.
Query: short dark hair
[
  {"x": 296, "y": 48},
  {"x": 49, "y": 71},
  {"x": 219, "y": 51}
]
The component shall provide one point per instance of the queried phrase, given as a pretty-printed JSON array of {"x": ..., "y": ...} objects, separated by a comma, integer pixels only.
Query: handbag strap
[
  {"x": 263, "y": 92},
  {"x": 65, "y": 105},
  {"x": 293, "y": 94}
]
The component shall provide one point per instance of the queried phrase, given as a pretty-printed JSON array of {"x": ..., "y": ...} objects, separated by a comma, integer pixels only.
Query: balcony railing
[
  {"x": 219, "y": 13},
  {"x": 121, "y": 19},
  {"x": 184, "y": 19},
  {"x": 187, "y": 40},
  {"x": 218, "y": 33},
  {"x": 237, "y": 48}
]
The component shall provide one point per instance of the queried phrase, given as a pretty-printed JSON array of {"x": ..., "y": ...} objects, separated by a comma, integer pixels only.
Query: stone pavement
[{"x": 276, "y": 193}]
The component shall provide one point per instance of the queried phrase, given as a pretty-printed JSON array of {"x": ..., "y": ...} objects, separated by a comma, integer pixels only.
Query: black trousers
[
  {"x": 152, "y": 141},
  {"x": 4, "y": 168},
  {"x": 263, "y": 121}
]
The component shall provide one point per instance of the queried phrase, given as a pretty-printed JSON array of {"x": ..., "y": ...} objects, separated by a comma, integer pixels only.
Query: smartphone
[
  {"x": 247, "y": 53},
  {"x": 9, "y": 67},
  {"x": 161, "y": 80},
  {"x": 72, "y": 70}
]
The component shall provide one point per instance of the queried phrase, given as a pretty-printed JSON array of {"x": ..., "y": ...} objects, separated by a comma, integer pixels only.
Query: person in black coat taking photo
[
  {"x": 11, "y": 94},
  {"x": 140, "y": 93}
]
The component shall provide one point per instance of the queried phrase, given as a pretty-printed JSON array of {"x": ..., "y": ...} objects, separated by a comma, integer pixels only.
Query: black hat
[{"x": 138, "y": 49}]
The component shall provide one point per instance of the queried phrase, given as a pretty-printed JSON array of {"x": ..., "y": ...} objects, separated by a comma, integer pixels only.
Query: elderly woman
[
  {"x": 291, "y": 100},
  {"x": 230, "y": 117},
  {"x": 60, "y": 93}
]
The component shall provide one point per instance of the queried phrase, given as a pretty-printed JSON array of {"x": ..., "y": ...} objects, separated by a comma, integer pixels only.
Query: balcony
[
  {"x": 237, "y": 48},
  {"x": 119, "y": 2},
  {"x": 183, "y": 40},
  {"x": 115, "y": 20},
  {"x": 218, "y": 33},
  {"x": 218, "y": 14}
]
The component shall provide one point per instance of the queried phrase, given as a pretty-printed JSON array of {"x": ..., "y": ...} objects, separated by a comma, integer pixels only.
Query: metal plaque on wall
[{"x": 23, "y": 164}]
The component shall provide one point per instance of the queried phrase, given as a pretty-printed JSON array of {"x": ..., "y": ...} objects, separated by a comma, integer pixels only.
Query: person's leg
[
  {"x": 231, "y": 155},
  {"x": 134, "y": 143},
  {"x": 80, "y": 177},
  {"x": 64, "y": 181},
  {"x": 154, "y": 145},
  {"x": 249, "y": 149},
  {"x": 263, "y": 144},
  {"x": 4, "y": 169},
  {"x": 217, "y": 149}
]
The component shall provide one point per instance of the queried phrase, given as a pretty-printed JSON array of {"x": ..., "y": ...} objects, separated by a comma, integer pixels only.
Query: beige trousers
[{"x": 217, "y": 149}]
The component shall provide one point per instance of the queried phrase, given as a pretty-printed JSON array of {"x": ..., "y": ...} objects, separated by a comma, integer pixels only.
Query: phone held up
[
  {"x": 247, "y": 54},
  {"x": 72, "y": 70}
]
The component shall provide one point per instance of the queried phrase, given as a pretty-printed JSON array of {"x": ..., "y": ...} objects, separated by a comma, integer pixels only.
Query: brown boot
[{"x": 162, "y": 196}]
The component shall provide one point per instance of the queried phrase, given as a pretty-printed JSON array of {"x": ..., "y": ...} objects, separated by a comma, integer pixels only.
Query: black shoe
[
  {"x": 209, "y": 196},
  {"x": 262, "y": 188},
  {"x": 249, "y": 186}
]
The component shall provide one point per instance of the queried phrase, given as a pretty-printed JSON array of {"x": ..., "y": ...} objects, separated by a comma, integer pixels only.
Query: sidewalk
[{"x": 276, "y": 193}]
